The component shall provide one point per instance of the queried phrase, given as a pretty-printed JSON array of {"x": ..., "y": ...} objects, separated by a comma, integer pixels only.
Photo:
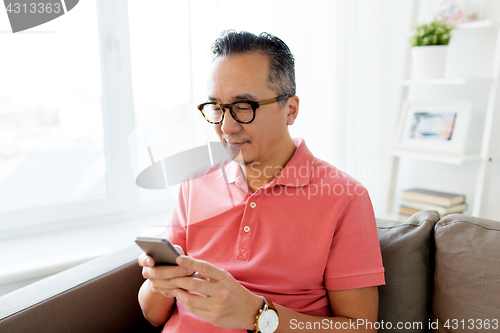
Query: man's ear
[{"x": 292, "y": 109}]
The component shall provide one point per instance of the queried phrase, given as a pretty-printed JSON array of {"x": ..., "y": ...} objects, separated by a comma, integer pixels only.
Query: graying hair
[{"x": 281, "y": 77}]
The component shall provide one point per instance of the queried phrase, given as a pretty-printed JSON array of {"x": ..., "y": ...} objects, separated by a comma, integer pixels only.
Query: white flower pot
[{"x": 428, "y": 62}]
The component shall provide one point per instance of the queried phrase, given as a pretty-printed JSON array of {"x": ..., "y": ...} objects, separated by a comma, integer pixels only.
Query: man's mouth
[
  {"x": 239, "y": 144},
  {"x": 236, "y": 143}
]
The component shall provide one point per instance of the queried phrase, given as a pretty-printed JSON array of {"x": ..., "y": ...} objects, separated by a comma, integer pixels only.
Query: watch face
[{"x": 268, "y": 321}]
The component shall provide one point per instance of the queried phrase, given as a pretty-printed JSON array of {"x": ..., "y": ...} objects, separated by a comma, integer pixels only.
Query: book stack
[{"x": 417, "y": 199}]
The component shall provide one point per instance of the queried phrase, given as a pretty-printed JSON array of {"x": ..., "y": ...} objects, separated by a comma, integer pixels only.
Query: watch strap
[
  {"x": 270, "y": 304},
  {"x": 267, "y": 305}
]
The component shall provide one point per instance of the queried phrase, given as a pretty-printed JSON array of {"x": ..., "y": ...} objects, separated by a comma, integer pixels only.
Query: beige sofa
[{"x": 440, "y": 274}]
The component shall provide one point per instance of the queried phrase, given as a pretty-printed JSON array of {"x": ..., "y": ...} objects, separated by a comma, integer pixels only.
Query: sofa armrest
[{"x": 97, "y": 296}]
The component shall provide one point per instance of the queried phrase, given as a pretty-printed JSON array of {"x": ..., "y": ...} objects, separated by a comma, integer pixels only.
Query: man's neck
[{"x": 260, "y": 174}]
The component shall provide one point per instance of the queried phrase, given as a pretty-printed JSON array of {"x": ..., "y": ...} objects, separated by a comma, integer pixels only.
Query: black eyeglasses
[{"x": 242, "y": 111}]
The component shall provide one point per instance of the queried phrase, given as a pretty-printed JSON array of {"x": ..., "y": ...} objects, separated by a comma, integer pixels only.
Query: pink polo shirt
[{"x": 310, "y": 230}]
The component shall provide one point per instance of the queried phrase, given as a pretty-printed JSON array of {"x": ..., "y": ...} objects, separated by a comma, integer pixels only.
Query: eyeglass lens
[{"x": 241, "y": 111}]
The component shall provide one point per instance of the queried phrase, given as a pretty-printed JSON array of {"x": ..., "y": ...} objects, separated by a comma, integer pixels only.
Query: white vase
[{"x": 428, "y": 62}]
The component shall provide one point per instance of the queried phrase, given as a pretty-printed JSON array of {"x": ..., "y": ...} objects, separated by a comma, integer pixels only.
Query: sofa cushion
[
  {"x": 466, "y": 285},
  {"x": 406, "y": 296}
]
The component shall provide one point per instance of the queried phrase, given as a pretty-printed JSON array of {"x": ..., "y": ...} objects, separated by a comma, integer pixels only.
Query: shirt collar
[
  {"x": 231, "y": 173},
  {"x": 296, "y": 173}
]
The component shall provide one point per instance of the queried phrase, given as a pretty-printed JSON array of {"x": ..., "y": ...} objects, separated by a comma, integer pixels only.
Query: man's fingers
[
  {"x": 193, "y": 303},
  {"x": 204, "y": 268},
  {"x": 145, "y": 260},
  {"x": 199, "y": 286},
  {"x": 165, "y": 272}
]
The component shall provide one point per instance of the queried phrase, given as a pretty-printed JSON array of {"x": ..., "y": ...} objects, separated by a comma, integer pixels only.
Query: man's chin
[
  {"x": 238, "y": 158},
  {"x": 246, "y": 163},
  {"x": 236, "y": 155}
]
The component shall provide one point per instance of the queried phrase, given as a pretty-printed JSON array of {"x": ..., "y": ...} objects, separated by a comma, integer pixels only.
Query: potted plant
[{"x": 429, "y": 49}]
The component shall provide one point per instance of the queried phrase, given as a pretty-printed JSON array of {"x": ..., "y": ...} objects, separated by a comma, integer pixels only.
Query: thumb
[{"x": 178, "y": 248}]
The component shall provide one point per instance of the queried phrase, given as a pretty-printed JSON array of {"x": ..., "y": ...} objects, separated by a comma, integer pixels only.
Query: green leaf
[{"x": 434, "y": 33}]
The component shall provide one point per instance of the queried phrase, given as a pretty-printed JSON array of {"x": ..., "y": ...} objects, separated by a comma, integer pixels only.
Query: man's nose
[{"x": 229, "y": 125}]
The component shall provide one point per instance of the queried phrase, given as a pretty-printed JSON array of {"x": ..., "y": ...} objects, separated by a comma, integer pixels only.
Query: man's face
[{"x": 244, "y": 77}]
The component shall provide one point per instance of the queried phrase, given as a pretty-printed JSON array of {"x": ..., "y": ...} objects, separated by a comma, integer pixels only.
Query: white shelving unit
[
  {"x": 444, "y": 82},
  {"x": 456, "y": 159},
  {"x": 489, "y": 148}
]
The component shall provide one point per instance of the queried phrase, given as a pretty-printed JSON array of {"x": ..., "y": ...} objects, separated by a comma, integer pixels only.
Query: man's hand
[
  {"x": 219, "y": 299},
  {"x": 159, "y": 276}
]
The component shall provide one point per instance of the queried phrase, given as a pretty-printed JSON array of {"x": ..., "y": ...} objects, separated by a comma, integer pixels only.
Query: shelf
[
  {"x": 477, "y": 25},
  {"x": 470, "y": 26},
  {"x": 456, "y": 159},
  {"x": 444, "y": 81}
]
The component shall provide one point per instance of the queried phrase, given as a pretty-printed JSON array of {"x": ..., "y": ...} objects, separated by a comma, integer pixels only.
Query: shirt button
[
  {"x": 246, "y": 228},
  {"x": 253, "y": 204}
]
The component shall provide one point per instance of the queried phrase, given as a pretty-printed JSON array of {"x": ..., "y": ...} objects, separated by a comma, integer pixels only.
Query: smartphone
[{"x": 161, "y": 249}]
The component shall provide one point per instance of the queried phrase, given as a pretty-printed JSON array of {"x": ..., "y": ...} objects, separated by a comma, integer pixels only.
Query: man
[{"x": 301, "y": 234}]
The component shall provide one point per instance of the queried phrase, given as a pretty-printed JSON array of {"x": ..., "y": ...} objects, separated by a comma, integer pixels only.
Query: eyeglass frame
[{"x": 255, "y": 105}]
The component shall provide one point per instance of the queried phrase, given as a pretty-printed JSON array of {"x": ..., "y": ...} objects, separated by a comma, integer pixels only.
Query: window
[
  {"x": 66, "y": 111},
  {"x": 51, "y": 126}
]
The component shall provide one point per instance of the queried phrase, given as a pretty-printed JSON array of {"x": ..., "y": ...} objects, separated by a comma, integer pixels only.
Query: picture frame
[{"x": 436, "y": 126}]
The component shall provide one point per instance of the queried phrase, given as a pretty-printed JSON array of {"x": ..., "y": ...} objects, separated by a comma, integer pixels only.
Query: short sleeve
[
  {"x": 176, "y": 230},
  {"x": 355, "y": 260}
]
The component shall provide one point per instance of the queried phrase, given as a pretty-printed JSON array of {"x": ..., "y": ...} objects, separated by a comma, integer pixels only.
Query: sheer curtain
[
  {"x": 343, "y": 63},
  {"x": 318, "y": 33}
]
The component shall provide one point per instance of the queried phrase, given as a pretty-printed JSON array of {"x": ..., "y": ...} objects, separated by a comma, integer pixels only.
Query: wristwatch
[{"x": 266, "y": 321}]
